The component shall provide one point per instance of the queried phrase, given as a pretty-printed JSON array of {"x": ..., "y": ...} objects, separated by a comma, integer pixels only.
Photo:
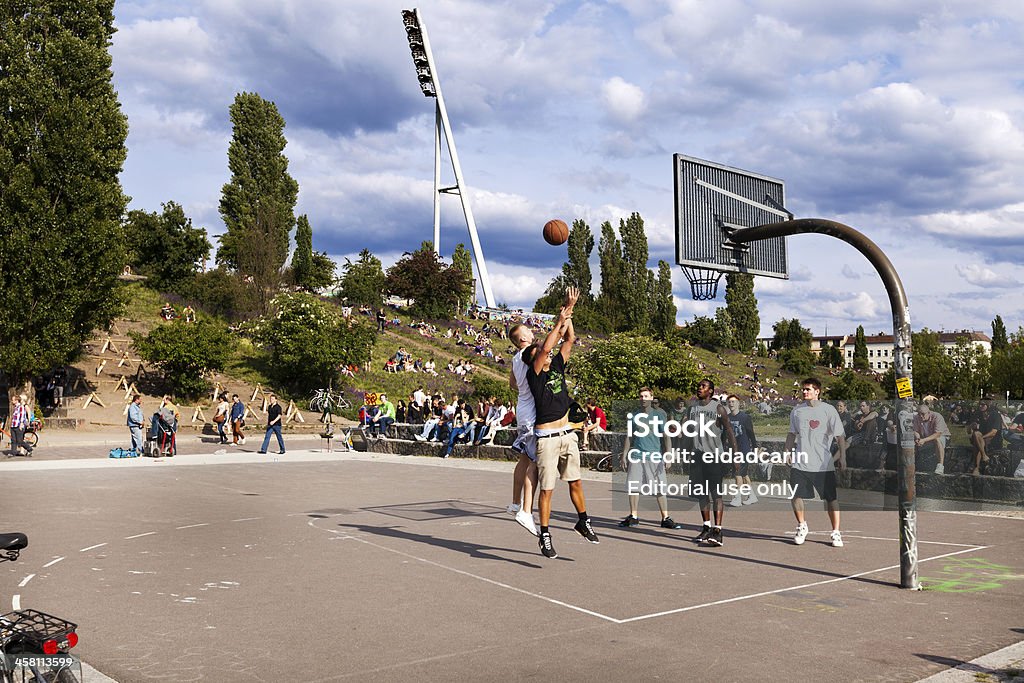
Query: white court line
[
  {"x": 791, "y": 588},
  {"x": 954, "y": 545},
  {"x": 246, "y": 519},
  {"x": 25, "y": 581},
  {"x": 491, "y": 581},
  {"x": 148, "y": 533},
  {"x": 192, "y": 526},
  {"x": 16, "y": 602},
  {"x": 52, "y": 562},
  {"x": 92, "y": 547}
]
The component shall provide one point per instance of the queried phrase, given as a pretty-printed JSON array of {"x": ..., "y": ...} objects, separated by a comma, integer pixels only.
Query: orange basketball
[{"x": 556, "y": 232}]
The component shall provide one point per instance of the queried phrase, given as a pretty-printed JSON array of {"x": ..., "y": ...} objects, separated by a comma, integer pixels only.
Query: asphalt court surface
[{"x": 386, "y": 569}]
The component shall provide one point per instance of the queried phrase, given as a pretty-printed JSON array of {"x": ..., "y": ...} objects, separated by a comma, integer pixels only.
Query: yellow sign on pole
[{"x": 903, "y": 387}]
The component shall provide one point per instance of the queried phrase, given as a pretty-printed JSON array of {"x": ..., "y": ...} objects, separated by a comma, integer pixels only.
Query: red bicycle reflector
[
  {"x": 72, "y": 639},
  {"x": 50, "y": 647}
]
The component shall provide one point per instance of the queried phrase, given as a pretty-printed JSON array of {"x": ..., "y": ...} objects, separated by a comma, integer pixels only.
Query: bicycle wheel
[{"x": 31, "y": 439}]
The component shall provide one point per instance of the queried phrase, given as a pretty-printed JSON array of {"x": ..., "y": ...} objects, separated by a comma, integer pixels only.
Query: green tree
[
  {"x": 971, "y": 369},
  {"x": 663, "y": 321},
  {"x": 709, "y": 333},
  {"x": 742, "y": 306},
  {"x": 185, "y": 352},
  {"x": 308, "y": 341},
  {"x": 165, "y": 246},
  {"x": 933, "y": 367},
  {"x": 432, "y": 285},
  {"x": 638, "y": 281},
  {"x": 860, "y": 350},
  {"x": 462, "y": 261},
  {"x": 576, "y": 270},
  {"x": 62, "y": 146},
  {"x": 790, "y": 334},
  {"x": 302, "y": 257},
  {"x": 999, "y": 341},
  {"x": 831, "y": 356},
  {"x": 797, "y": 360},
  {"x": 610, "y": 300},
  {"x": 849, "y": 386},
  {"x": 1008, "y": 366},
  {"x": 615, "y": 368},
  {"x": 322, "y": 272},
  {"x": 363, "y": 282},
  {"x": 258, "y": 202},
  {"x": 222, "y": 293}
]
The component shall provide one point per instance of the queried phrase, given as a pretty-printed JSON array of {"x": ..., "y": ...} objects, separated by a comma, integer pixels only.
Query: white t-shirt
[
  {"x": 815, "y": 428},
  {"x": 419, "y": 397},
  {"x": 526, "y": 410}
]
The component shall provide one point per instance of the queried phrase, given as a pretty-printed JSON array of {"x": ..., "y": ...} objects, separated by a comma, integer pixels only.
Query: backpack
[{"x": 123, "y": 453}]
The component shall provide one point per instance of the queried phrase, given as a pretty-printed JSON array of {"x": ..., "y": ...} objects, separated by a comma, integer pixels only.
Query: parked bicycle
[
  {"x": 34, "y": 646},
  {"x": 327, "y": 401}
]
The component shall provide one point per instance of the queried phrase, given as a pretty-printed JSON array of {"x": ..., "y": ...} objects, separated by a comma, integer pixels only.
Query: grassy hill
[{"x": 731, "y": 371}]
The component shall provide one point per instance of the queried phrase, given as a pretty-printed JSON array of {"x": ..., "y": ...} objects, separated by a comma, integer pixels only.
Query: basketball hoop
[{"x": 703, "y": 282}]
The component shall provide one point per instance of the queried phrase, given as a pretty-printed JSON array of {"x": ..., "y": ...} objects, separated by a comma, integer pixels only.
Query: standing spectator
[
  {"x": 597, "y": 422},
  {"x": 220, "y": 417},
  {"x": 382, "y": 320},
  {"x": 273, "y": 426},
  {"x": 136, "y": 419},
  {"x": 401, "y": 412},
  {"x": 237, "y": 420},
  {"x": 414, "y": 411},
  {"x": 812, "y": 426},
  {"x": 643, "y": 469},
  {"x": 743, "y": 430}
]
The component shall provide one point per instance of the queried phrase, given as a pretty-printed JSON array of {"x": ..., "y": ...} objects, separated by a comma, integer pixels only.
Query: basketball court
[{"x": 360, "y": 567}]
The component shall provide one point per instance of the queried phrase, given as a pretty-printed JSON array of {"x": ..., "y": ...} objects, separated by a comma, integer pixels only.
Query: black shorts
[
  {"x": 806, "y": 483},
  {"x": 709, "y": 475}
]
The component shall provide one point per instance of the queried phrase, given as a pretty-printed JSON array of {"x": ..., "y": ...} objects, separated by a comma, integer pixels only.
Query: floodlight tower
[{"x": 423, "y": 60}]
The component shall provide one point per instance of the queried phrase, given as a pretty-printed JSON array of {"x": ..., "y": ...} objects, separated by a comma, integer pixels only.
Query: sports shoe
[
  {"x": 750, "y": 500},
  {"x": 704, "y": 534},
  {"x": 419, "y": 437},
  {"x": 512, "y": 508},
  {"x": 837, "y": 539},
  {"x": 736, "y": 501},
  {"x": 801, "y": 534},
  {"x": 546, "y": 547},
  {"x": 584, "y": 529},
  {"x": 669, "y": 523},
  {"x": 939, "y": 469},
  {"x": 261, "y": 452},
  {"x": 630, "y": 520},
  {"x": 715, "y": 538},
  {"x": 525, "y": 520},
  {"x": 280, "y": 452}
]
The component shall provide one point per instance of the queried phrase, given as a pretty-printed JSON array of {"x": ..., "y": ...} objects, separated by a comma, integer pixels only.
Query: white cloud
[
  {"x": 849, "y": 272},
  {"x": 624, "y": 101},
  {"x": 980, "y": 276}
]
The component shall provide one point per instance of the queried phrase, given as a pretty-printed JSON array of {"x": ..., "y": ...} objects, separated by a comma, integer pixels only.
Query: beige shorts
[{"x": 558, "y": 457}]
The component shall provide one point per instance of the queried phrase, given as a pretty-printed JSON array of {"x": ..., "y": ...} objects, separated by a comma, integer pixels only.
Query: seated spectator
[
  {"x": 461, "y": 426},
  {"x": 985, "y": 433},
  {"x": 384, "y": 417},
  {"x": 167, "y": 312},
  {"x": 430, "y": 367},
  {"x": 930, "y": 428},
  {"x": 865, "y": 426},
  {"x": 390, "y": 366},
  {"x": 189, "y": 314},
  {"x": 496, "y": 412}
]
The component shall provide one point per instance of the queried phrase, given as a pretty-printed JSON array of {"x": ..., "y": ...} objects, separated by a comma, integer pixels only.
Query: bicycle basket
[{"x": 32, "y": 628}]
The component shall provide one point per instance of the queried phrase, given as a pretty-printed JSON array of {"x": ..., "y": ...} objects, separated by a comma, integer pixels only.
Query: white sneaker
[
  {"x": 525, "y": 520},
  {"x": 750, "y": 500},
  {"x": 801, "y": 534},
  {"x": 512, "y": 508},
  {"x": 939, "y": 469},
  {"x": 837, "y": 539},
  {"x": 736, "y": 501},
  {"x": 419, "y": 437}
]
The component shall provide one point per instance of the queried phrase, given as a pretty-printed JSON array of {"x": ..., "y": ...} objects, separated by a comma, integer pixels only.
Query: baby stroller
[{"x": 160, "y": 441}]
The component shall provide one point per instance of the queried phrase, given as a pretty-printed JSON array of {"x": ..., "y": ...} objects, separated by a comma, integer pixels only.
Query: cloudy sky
[{"x": 902, "y": 119}]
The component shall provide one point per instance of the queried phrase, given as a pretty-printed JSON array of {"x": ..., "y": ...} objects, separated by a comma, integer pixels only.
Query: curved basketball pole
[{"x": 905, "y": 474}]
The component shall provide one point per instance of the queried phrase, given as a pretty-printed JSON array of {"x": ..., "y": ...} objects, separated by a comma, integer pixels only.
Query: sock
[
  {"x": 544, "y": 530},
  {"x": 583, "y": 515},
  {"x": 707, "y": 523},
  {"x": 717, "y": 527}
]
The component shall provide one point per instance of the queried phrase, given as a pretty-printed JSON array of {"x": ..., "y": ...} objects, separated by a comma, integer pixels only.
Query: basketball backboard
[{"x": 712, "y": 201}]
